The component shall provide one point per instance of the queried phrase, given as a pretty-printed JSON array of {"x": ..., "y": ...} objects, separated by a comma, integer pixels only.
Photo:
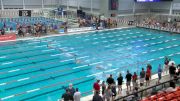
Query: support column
[
  {"x": 134, "y": 8},
  {"x": 78, "y": 4},
  {"x": 171, "y": 9},
  {"x": 104, "y": 8},
  {"x": 23, "y": 4},
  {"x": 67, "y": 4},
  {"x": 42, "y": 3},
  {"x": 2, "y": 5},
  {"x": 91, "y": 6}
]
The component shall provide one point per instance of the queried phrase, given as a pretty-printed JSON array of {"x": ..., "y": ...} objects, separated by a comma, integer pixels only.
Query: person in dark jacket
[{"x": 97, "y": 97}]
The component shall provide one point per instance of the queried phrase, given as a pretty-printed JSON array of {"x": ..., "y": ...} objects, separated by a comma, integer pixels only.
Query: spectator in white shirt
[{"x": 77, "y": 95}]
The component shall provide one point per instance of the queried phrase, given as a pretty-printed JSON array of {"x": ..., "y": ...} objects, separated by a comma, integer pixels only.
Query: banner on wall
[
  {"x": 25, "y": 13},
  {"x": 113, "y": 4},
  {"x": 8, "y": 37}
]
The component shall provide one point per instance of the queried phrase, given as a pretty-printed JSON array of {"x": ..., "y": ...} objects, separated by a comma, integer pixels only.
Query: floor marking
[
  {"x": 40, "y": 46},
  {"x": 111, "y": 70},
  {"x": 169, "y": 47},
  {"x": 2, "y": 57},
  {"x": 29, "y": 91},
  {"x": 2, "y": 84},
  {"x": 138, "y": 46},
  {"x": 107, "y": 46},
  {"x": 166, "y": 41},
  {"x": 103, "y": 37},
  {"x": 48, "y": 50},
  {"x": 86, "y": 39},
  {"x": 95, "y": 42},
  {"x": 160, "y": 48},
  {"x": 57, "y": 54},
  {"x": 151, "y": 60},
  {"x": 33, "y": 43},
  {"x": 6, "y": 63},
  {"x": 80, "y": 67},
  {"x": 8, "y": 97},
  {"x": 14, "y": 70},
  {"x": 104, "y": 41},
  {"x": 153, "y": 50},
  {"x": 171, "y": 55},
  {"x": 23, "y": 79}
]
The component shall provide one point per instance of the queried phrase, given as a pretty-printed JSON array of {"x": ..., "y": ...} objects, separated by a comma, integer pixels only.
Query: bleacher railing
[{"x": 141, "y": 92}]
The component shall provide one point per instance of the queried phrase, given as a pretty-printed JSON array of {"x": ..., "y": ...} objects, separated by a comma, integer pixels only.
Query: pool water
[{"x": 40, "y": 69}]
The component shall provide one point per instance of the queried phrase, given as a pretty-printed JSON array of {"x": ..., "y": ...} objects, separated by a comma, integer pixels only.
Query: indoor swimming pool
[{"x": 40, "y": 69}]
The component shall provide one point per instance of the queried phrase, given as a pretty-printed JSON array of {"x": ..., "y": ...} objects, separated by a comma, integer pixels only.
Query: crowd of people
[
  {"x": 97, "y": 22},
  {"x": 172, "y": 24},
  {"x": 109, "y": 89},
  {"x": 71, "y": 94}
]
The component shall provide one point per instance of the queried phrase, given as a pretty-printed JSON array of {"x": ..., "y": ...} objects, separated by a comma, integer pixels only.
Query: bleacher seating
[
  {"x": 166, "y": 96},
  {"x": 12, "y": 22}
]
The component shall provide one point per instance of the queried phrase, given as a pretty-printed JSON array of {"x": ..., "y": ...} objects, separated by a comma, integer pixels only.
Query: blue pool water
[{"x": 40, "y": 69}]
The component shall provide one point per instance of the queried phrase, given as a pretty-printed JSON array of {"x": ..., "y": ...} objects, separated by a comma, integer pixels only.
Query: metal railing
[{"x": 141, "y": 92}]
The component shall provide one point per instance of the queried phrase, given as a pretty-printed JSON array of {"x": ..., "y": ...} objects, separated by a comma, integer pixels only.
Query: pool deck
[
  {"x": 72, "y": 33},
  {"x": 154, "y": 79},
  {"x": 89, "y": 98}
]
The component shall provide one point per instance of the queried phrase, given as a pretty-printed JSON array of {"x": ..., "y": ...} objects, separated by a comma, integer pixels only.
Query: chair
[{"x": 161, "y": 99}]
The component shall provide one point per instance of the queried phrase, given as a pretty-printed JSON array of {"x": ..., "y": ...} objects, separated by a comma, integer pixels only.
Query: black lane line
[
  {"x": 49, "y": 78},
  {"x": 20, "y": 51},
  {"x": 58, "y": 89},
  {"x": 22, "y": 46},
  {"x": 25, "y": 56},
  {"x": 40, "y": 69},
  {"x": 39, "y": 61}
]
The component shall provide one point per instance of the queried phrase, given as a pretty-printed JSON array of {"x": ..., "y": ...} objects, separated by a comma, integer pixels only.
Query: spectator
[
  {"x": 128, "y": 80},
  {"x": 159, "y": 73},
  {"x": 172, "y": 71},
  {"x": 142, "y": 77},
  {"x": 150, "y": 68},
  {"x": 113, "y": 88},
  {"x": 120, "y": 81},
  {"x": 97, "y": 97},
  {"x": 134, "y": 80},
  {"x": 96, "y": 86},
  {"x": 110, "y": 80},
  {"x": 77, "y": 95},
  {"x": 166, "y": 67},
  {"x": 108, "y": 94},
  {"x": 71, "y": 89},
  {"x": 67, "y": 96},
  {"x": 148, "y": 75},
  {"x": 2, "y": 31},
  {"x": 103, "y": 87}
]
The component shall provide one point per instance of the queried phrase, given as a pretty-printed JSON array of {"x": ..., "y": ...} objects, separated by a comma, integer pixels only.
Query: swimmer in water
[{"x": 78, "y": 61}]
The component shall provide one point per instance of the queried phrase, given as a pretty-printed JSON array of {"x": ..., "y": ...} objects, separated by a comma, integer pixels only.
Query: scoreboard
[
  {"x": 25, "y": 13},
  {"x": 113, "y": 4},
  {"x": 151, "y": 0}
]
